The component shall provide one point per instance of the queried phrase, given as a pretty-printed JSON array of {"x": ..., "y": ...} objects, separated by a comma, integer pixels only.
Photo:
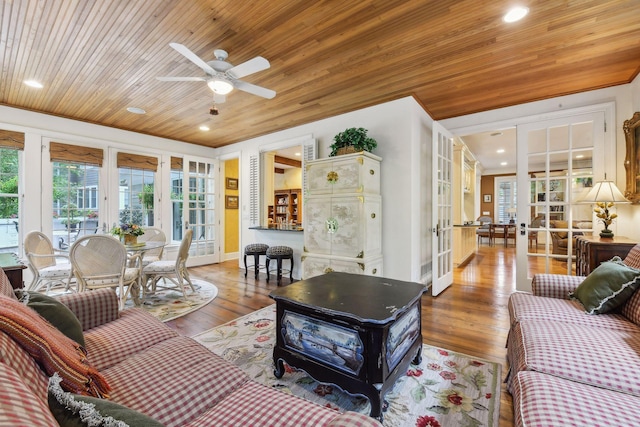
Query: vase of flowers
[{"x": 128, "y": 233}]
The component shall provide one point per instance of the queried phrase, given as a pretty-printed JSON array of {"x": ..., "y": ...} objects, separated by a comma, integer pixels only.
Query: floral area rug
[
  {"x": 170, "y": 304},
  {"x": 446, "y": 389}
]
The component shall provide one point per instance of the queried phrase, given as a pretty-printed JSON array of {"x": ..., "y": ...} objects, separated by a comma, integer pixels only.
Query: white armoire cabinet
[{"x": 342, "y": 216}]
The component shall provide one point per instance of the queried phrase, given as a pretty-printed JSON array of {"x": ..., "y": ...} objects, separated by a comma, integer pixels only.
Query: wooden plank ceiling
[{"x": 96, "y": 58}]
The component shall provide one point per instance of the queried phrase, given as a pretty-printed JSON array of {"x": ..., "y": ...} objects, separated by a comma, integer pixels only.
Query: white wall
[{"x": 400, "y": 128}]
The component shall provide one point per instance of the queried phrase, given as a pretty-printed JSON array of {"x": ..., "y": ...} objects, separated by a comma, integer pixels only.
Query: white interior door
[
  {"x": 558, "y": 161},
  {"x": 442, "y": 207},
  {"x": 201, "y": 209}
]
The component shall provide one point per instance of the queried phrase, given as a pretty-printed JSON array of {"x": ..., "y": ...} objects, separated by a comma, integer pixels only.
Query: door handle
[{"x": 523, "y": 229}]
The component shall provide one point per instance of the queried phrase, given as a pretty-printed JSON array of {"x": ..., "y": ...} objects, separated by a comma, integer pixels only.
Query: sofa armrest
[
  {"x": 353, "y": 419},
  {"x": 555, "y": 285},
  {"x": 93, "y": 308}
]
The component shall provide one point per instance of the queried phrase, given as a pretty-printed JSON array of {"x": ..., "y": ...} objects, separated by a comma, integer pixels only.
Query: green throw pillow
[
  {"x": 74, "y": 410},
  {"x": 55, "y": 313},
  {"x": 607, "y": 287}
]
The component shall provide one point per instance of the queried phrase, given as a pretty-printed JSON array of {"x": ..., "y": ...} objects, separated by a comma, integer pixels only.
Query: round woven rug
[{"x": 167, "y": 305}]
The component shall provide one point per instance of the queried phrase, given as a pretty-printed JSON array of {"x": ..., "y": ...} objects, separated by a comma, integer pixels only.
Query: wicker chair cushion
[
  {"x": 279, "y": 251},
  {"x": 256, "y": 248},
  {"x": 130, "y": 273},
  {"x": 160, "y": 267},
  {"x": 59, "y": 271}
]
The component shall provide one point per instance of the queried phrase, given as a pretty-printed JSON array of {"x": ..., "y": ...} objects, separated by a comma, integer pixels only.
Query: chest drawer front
[
  {"x": 316, "y": 265},
  {"x": 354, "y": 173},
  {"x": 347, "y": 226}
]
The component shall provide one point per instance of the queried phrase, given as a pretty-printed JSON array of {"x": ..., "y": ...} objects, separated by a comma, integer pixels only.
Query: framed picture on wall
[
  {"x": 231, "y": 202},
  {"x": 487, "y": 198},
  {"x": 232, "y": 184}
]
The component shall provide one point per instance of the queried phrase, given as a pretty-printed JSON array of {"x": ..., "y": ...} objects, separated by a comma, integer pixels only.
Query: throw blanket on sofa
[{"x": 53, "y": 351}]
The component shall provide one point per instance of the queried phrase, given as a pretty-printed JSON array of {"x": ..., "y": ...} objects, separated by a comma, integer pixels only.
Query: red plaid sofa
[
  {"x": 155, "y": 371},
  {"x": 570, "y": 368}
]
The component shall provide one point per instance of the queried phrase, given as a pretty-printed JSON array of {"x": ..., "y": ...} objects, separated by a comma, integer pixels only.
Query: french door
[
  {"x": 558, "y": 162},
  {"x": 442, "y": 206},
  {"x": 200, "y": 212}
]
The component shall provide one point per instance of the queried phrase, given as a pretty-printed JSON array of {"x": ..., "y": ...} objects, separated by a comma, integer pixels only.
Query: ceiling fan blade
[
  {"x": 219, "y": 99},
  {"x": 256, "y": 90},
  {"x": 251, "y": 66},
  {"x": 181, "y": 79},
  {"x": 184, "y": 51}
]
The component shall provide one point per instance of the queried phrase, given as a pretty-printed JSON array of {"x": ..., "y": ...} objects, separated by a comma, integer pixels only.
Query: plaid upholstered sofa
[
  {"x": 153, "y": 370},
  {"x": 568, "y": 367}
]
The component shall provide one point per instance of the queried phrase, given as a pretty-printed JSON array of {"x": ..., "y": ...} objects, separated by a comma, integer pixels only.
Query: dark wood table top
[{"x": 367, "y": 299}]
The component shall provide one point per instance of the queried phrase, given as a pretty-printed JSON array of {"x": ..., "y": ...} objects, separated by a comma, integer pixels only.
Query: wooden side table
[
  {"x": 593, "y": 250},
  {"x": 13, "y": 269}
]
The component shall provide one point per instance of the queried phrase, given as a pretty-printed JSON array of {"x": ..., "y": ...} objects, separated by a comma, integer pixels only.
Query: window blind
[
  {"x": 59, "y": 152},
  {"x": 10, "y": 139},
  {"x": 136, "y": 161}
]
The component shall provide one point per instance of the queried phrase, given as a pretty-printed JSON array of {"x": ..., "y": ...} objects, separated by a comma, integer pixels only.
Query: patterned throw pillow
[
  {"x": 607, "y": 287},
  {"x": 51, "y": 349}
]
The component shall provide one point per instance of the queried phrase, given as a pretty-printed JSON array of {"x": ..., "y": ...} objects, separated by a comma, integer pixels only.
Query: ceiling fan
[{"x": 221, "y": 76}]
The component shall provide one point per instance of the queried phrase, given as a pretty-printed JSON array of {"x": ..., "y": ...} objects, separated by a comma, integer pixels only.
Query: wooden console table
[
  {"x": 356, "y": 331},
  {"x": 593, "y": 250},
  {"x": 13, "y": 269}
]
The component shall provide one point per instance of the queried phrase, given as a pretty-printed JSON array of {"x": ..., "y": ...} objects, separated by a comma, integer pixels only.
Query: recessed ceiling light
[
  {"x": 503, "y": 163},
  {"x": 579, "y": 156},
  {"x": 297, "y": 154},
  {"x": 204, "y": 128},
  {"x": 34, "y": 83},
  {"x": 136, "y": 110},
  {"x": 515, "y": 14},
  {"x": 500, "y": 150}
]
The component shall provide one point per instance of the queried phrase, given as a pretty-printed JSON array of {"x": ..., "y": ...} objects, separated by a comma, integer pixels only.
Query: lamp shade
[{"x": 604, "y": 191}]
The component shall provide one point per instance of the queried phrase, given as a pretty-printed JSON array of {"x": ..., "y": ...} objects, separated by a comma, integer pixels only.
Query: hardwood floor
[{"x": 470, "y": 317}]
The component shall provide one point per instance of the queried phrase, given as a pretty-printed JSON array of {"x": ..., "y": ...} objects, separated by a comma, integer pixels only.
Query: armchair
[{"x": 560, "y": 238}]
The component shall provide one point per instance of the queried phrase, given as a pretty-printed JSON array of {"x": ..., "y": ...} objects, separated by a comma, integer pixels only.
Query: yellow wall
[{"x": 231, "y": 216}]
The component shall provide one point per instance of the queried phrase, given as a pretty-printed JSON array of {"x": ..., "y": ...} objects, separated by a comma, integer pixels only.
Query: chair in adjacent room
[
  {"x": 152, "y": 234},
  {"x": 100, "y": 261},
  {"x": 279, "y": 253},
  {"x": 533, "y": 235},
  {"x": 174, "y": 271},
  {"x": 48, "y": 266},
  {"x": 484, "y": 231},
  {"x": 255, "y": 250}
]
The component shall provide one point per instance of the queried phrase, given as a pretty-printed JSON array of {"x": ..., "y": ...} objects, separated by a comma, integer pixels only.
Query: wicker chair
[
  {"x": 100, "y": 261},
  {"x": 175, "y": 271},
  {"x": 152, "y": 234},
  {"x": 43, "y": 263}
]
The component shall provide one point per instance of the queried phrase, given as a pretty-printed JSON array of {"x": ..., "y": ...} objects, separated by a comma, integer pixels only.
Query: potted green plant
[{"x": 352, "y": 140}]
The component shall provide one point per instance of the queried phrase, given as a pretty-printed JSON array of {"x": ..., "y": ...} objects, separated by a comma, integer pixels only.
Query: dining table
[{"x": 504, "y": 231}]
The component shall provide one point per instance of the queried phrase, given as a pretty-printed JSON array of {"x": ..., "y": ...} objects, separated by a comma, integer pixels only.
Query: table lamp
[
  {"x": 604, "y": 194},
  {"x": 511, "y": 212}
]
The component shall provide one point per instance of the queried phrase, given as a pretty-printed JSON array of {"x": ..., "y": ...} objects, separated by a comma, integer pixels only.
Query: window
[
  {"x": 136, "y": 196},
  {"x": 9, "y": 199},
  {"x": 176, "y": 198},
  {"x": 76, "y": 210},
  {"x": 506, "y": 198}
]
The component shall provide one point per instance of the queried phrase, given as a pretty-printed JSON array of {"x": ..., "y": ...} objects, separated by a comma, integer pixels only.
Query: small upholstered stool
[
  {"x": 255, "y": 250},
  {"x": 279, "y": 253}
]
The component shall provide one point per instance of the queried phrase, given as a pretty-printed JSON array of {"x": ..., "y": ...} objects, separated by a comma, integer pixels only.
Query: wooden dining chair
[{"x": 100, "y": 261}]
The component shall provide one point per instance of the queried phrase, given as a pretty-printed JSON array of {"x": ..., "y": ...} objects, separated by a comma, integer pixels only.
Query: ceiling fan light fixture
[{"x": 219, "y": 86}]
